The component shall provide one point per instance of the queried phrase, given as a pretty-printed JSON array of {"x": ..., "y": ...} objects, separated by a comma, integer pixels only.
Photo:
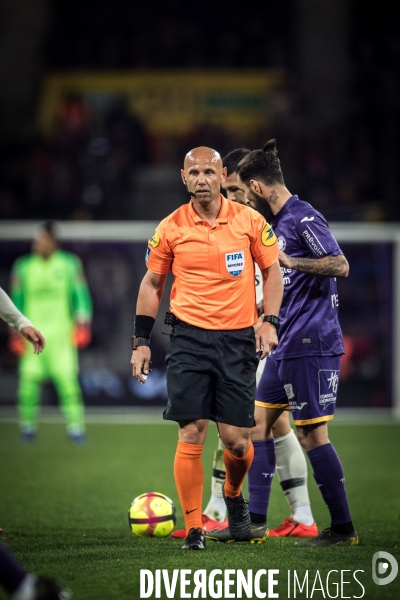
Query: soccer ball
[{"x": 152, "y": 514}]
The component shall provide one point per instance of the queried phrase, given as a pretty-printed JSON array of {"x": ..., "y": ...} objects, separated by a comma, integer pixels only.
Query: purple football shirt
[{"x": 309, "y": 311}]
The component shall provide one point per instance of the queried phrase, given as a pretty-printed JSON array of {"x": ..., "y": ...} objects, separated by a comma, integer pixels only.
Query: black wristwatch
[
  {"x": 273, "y": 320},
  {"x": 139, "y": 341}
]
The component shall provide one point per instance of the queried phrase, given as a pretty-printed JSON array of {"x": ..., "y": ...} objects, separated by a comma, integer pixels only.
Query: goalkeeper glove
[
  {"x": 17, "y": 343},
  {"x": 82, "y": 335}
]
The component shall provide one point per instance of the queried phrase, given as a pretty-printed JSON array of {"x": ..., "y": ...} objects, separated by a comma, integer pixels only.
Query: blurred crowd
[{"x": 93, "y": 166}]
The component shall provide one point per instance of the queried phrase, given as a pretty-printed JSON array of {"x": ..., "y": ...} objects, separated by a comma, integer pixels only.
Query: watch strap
[
  {"x": 139, "y": 341},
  {"x": 273, "y": 320}
]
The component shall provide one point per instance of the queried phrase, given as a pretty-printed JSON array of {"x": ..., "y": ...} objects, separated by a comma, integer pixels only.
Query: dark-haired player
[
  {"x": 302, "y": 373},
  {"x": 49, "y": 287}
]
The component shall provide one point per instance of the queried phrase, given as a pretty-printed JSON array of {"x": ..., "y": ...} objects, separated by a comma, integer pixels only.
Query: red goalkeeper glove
[
  {"x": 17, "y": 343},
  {"x": 82, "y": 335}
]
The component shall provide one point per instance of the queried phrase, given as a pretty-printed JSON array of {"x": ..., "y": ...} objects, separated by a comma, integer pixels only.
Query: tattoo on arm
[{"x": 329, "y": 266}]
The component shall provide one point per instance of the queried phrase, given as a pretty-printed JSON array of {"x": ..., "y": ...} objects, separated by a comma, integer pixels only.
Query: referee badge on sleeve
[
  {"x": 234, "y": 262},
  {"x": 154, "y": 241},
  {"x": 146, "y": 258},
  {"x": 268, "y": 236}
]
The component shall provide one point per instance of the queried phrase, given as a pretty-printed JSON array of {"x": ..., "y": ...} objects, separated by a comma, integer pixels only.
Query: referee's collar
[{"x": 222, "y": 215}]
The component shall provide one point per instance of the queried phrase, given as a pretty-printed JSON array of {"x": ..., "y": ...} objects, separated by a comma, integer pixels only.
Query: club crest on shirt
[
  {"x": 234, "y": 262},
  {"x": 281, "y": 243},
  {"x": 154, "y": 241},
  {"x": 268, "y": 236}
]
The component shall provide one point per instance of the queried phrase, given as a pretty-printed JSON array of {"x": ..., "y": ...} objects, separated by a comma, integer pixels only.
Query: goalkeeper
[{"x": 49, "y": 287}]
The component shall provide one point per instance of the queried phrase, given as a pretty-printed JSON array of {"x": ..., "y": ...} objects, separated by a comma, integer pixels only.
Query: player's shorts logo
[
  {"x": 268, "y": 237},
  {"x": 289, "y": 390},
  {"x": 333, "y": 381},
  {"x": 154, "y": 241},
  {"x": 234, "y": 262},
  {"x": 281, "y": 243},
  {"x": 328, "y": 386}
]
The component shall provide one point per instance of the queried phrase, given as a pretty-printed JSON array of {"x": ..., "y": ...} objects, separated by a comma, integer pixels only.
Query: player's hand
[
  {"x": 266, "y": 339},
  {"x": 82, "y": 335},
  {"x": 285, "y": 260},
  {"x": 35, "y": 338},
  {"x": 140, "y": 362}
]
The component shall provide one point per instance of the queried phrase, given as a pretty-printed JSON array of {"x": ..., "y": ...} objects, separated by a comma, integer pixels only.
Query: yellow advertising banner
[{"x": 170, "y": 102}]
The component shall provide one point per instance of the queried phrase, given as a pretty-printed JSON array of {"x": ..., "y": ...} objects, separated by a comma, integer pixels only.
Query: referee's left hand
[
  {"x": 140, "y": 362},
  {"x": 266, "y": 339}
]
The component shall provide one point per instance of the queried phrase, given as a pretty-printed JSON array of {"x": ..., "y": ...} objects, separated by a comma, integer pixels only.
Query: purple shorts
[{"x": 307, "y": 386}]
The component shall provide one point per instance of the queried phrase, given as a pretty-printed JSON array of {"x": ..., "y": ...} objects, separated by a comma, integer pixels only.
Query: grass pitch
[{"x": 63, "y": 510}]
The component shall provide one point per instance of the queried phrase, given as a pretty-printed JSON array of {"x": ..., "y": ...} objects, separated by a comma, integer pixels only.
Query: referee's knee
[
  {"x": 238, "y": 447},
  {"x": 193, "y": 432}
]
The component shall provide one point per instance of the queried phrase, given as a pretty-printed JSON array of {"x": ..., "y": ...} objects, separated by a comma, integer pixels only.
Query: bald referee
[{"x": 210, "y": 245}]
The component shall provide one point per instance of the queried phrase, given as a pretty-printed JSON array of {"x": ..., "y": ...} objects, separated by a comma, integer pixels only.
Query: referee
[{"x": 210, "y": 245}]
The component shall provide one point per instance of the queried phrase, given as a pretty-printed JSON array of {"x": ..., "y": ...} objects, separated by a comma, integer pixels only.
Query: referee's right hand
[{"x": 140, "y": 362}]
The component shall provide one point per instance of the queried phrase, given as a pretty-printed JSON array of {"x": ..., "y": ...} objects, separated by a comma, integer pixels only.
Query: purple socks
[
  {"x": 260, "y": 477},
  {"x": 328, "y": 473}
]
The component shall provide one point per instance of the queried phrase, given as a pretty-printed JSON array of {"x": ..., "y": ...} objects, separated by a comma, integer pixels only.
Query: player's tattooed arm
[{"x": 328, "y": 266}]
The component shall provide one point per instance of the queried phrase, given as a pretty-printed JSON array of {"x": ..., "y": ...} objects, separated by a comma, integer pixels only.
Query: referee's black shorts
[{"x": 211, "y": 375}]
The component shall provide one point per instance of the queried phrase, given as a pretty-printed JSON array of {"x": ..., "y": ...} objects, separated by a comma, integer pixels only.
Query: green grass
[{"x": 63, "y": 510}]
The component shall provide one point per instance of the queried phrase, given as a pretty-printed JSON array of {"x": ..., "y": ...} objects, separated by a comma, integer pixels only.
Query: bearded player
[{"x": 302, "y": 373}]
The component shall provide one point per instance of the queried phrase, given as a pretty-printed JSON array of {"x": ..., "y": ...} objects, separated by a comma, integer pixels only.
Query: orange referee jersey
[{"x": 213, "y": 266}]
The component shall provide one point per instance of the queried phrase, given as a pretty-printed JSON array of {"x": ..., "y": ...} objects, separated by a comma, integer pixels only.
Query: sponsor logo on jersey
[
  {"x": 234, "y": 262},
  {"x": 328, "y": 386},
  {"x": 312, "y": 243},
  {"x": 307, "y": 219},
  {"x": 154, "y": 241},
  {"x": 146, "y": 258},
  {"x": 268, "y": 236},
  {"x": 286, "y": 279},
  {"x": 281, "y": 243}
]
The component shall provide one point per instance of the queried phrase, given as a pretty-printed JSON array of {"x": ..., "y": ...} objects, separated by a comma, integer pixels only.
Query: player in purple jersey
[
  {"x": 291, "y": 466},
  {"x": 302, "y": 374}
]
